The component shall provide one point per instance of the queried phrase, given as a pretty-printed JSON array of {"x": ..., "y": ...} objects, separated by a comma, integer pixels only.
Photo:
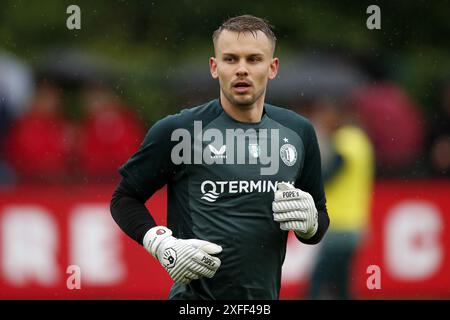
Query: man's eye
[
  {"x": 229, "y": 59},
  {"x": 254, "y": 59}
]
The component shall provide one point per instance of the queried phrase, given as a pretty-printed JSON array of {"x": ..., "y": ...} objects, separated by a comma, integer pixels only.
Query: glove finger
[
  {"x": 211, "y": 248},
  {"x": 203, "y": 271},
  {"x": 183, "y": 263},
  {"x": 290, "y": 216},
  {"x": 206, "y": 246},
  {"x": 291, "y": 194},
  {"x": 287, "y": 195},
  {"x": 287, "y": 219},
  {"x": 284, "y": 186},
  {"x": 178, "y": 277},
  {"x": 201, "y": 263},
  {"x": 294, "y": 225},
  {"x": 190, "y": 272},
  {"x": 289, "y": 205},
  {"x": 192, "y": 275},
  {"x": 206, "y": 260},
  {"x": 210, "y": 274},
  {"x": 184, "y": 280},
  {"x": 300, "y": 226}
]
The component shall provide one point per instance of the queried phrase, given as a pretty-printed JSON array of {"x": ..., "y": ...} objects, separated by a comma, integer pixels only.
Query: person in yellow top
[
  {"x": 348, "y": 170},
  {"x": 349, "y": 190}
]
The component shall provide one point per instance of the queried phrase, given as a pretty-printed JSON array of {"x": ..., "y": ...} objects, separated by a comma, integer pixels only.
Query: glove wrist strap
[{"x": 154, "y": 237}]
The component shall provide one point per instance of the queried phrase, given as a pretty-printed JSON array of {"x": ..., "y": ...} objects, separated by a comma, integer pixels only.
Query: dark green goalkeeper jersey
[{"x": 221, "y": 176}]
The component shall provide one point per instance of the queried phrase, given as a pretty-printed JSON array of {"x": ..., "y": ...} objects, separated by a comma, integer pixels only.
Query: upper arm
[
  {"x": 310, "y": 179},
  {"x": 151, "y": 167}
]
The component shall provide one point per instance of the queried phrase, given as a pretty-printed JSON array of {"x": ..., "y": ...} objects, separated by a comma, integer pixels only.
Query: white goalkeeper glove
[
  {"x": 184, "y": 260},
  {"x": 295, "y": 210}
]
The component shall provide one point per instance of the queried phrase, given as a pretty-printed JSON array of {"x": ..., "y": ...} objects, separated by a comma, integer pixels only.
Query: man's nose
[{"x": 242, "y": 69}]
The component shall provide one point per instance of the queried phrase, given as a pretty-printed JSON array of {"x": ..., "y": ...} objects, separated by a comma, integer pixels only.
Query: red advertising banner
[
  {"x": 408, "y": 240},
  {"x": 45, "y": 230},
  {"x": 60, "y": 242}
]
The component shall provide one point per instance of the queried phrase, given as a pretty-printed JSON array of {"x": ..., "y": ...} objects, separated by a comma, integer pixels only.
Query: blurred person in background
[
  {"x": 348, "y": 170},
  {"x": 6, "y": 175},
  {"x": 109, "y": 133},
  {"x": 438, "y": 144},
  {"x": 39, "y": 142},
  {"x": 394, "y": 124},
  {"x": 16, "y": 88}
]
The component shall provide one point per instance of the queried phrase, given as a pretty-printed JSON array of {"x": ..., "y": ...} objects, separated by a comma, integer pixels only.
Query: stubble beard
[{"x": 245, "y": 103}]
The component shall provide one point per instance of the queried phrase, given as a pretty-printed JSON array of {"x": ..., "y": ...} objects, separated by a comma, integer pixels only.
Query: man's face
[{"x": 243, "y": 64}]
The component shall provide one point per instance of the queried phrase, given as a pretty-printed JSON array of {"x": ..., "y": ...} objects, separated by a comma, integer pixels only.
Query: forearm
[
  {"x": 129, "y": 212},
  {"x": 323, "y": 223}
]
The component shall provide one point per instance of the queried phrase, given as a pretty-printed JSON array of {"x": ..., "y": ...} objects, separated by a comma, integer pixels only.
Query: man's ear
[
  {"x": 213, "y": 67},
  {"x": 274, "y": 68}
]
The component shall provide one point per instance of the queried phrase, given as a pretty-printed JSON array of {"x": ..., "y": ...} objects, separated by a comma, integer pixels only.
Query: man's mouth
[{"x": 241, "y": 87}]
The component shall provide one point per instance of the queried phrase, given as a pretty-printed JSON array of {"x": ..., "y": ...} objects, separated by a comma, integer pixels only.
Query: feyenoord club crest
[
  {"x": 253, "y": 150},
  {"x": 288, "y": 154}
]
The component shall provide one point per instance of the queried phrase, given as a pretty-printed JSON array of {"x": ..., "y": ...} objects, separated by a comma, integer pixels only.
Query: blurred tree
[{"x": 147, "y": 41}]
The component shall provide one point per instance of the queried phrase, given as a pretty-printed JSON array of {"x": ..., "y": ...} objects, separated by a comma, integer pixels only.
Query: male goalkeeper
[{"x": 229, "y": 214}]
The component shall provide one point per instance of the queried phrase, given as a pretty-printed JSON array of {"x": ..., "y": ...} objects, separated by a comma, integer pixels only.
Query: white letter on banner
[
  {"x": 412, "y": 247},
  {"x": 29, "y": 238},
  {"x": 95, "y": 245}
]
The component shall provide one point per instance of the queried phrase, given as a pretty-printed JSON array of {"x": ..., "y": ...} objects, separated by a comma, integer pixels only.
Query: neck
[{"x": 251, "y": 114}]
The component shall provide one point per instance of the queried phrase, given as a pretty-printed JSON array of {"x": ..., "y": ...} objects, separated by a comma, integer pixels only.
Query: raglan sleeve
[
  {"x": 151, "y": 166},
  {"x": 149, "y": 169}
]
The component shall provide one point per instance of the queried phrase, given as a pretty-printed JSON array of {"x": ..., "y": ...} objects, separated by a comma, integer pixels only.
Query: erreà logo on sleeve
[{"x": 211, "y": 190}]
